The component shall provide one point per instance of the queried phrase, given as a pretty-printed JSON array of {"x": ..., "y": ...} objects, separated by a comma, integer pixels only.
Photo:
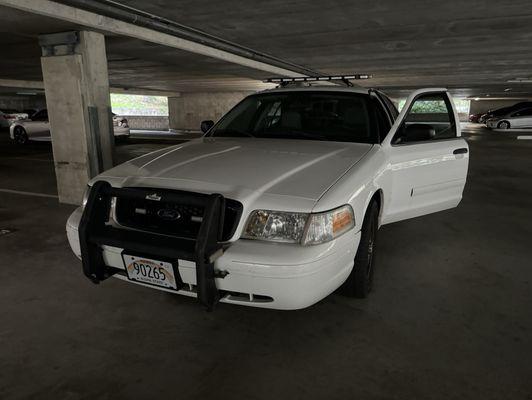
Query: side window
[
  {"x": 40, "y": 116},
  {"x": 429, "y": 118},
  {"x": 523, "y": 113}
]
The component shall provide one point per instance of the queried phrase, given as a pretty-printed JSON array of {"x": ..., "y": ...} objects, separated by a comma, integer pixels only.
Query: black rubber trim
[{"x": 95, "y": 231}]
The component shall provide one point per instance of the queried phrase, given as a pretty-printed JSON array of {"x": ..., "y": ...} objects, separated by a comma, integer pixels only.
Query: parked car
[
  {"x": 8, "y": 116},
  {"x": 120, "y": 127},
  {"x": 475, "y": 117},
  {"x": 500, "y": 112},
  {"x": 21, "y": 131},
  {"x": 279, "y": 204},
  {"x": 36, "y": 126},
  {"x": 515, "y": 119}
]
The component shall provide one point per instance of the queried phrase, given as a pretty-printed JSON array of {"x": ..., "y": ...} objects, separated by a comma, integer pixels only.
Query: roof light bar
[{"x": 319, "y": 78}]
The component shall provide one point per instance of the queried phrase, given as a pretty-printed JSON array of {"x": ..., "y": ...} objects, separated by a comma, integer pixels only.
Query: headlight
[
  {"x": 276, "y": 226},
  {"x": 324, "y": 227},
  {"x": 306, "y": 229}
]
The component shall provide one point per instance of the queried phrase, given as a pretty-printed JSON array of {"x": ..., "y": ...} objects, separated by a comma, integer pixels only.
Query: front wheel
[
  {"x": 360, "y": 281},
  {"x": 19, "y": 135},
  {"x": 503, "y": 125}
]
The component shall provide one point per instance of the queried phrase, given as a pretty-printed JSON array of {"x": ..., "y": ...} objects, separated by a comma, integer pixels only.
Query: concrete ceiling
[
  {"x": 472, "y": 47},
  {"x": 133, "y": 64}
]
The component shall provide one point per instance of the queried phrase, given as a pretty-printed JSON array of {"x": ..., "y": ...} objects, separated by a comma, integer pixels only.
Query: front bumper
[{"x": 260, "y": 274}]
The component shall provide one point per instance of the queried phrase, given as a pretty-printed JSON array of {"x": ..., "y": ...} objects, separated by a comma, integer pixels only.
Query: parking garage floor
[{"x": 449, "y": 318}]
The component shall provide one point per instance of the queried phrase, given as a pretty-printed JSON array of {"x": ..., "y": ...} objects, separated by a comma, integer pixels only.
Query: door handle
[{"x": 462, "y": 150}]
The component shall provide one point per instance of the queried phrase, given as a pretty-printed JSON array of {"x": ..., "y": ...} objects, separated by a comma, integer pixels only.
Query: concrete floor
[{"x": 449, "y": 319}]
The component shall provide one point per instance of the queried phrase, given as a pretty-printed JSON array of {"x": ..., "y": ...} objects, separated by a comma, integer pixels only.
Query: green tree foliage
[{"x": 128, "y": 104}]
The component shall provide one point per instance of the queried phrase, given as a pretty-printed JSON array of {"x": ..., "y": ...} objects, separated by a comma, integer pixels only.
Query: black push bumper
[{"x": 95, "y": 231}]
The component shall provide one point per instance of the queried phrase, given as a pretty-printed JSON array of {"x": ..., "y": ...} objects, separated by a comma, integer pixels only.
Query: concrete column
[
  {"x": 74, "y": 67},
  {"x": 188, "y": 110}
]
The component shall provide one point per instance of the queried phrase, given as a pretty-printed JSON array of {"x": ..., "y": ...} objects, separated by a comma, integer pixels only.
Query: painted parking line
[
  {"x": 34, "y": 194},
  {"x": 529, "y": 137}
]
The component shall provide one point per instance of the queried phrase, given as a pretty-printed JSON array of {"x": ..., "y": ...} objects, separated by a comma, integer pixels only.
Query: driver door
[{"x": 428, "y": 158}]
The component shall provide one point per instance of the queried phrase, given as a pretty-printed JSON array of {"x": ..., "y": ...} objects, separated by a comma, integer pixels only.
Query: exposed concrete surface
[
  {"x": 187, "y": 111},
  {"x": 19, "y": 102},
  {"x": 473, "y": 49},
  {"x": 449, "y": 319},
  {"x": 149, "y": 122},
  {"x": 83, "y": 145}
]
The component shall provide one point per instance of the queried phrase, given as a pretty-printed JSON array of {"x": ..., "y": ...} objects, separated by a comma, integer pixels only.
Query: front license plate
[{"x": 153, "y": 272}]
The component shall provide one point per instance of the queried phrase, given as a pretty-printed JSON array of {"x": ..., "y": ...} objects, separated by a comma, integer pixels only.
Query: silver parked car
[
  {"x": 21, "y": 131},
  {"x": 514, "y": 119}
]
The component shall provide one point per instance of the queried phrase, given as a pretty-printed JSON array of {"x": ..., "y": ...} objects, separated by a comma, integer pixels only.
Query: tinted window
[
  {"x": 429, "y": 112},
  {"x": 523, "y": 113},
  {"x": 342, "y": 117},
  {"x": 40, "y": 116}
]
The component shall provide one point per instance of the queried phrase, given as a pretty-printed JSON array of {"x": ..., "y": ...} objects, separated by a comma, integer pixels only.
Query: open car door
[{"x": 428, "y": 157}]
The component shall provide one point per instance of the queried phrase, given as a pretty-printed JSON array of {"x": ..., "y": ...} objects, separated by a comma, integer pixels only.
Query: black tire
[
  {"x": 19, "y": 135},
  {"x": 360, "y": 281},
  {"x": 503, "y": 125}
]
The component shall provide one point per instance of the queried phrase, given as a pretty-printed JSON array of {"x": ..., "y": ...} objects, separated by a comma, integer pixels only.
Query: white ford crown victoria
[{"x": 279, "y": 204}]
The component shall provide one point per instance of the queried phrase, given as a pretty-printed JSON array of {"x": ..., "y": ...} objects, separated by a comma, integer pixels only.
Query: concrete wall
[
  {"x": 187, "y": 111},
  {"x": 147, "y": 122},
  {"x": 22, "y": 102},
  {"x": 481, "y": 106}
]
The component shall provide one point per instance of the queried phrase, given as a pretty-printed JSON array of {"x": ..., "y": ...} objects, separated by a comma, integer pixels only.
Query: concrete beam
[
  {"x": 22, "y": 84},
  {"x": 105, "y": 24}
]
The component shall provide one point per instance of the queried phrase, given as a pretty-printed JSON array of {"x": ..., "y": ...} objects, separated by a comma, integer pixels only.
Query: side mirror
[
  {"x": 206, "y": 125},
  {"x": 419, "y": 132}
]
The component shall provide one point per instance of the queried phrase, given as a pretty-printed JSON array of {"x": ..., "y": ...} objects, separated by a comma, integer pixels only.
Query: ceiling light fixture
[{"x": 520, "y": 80}]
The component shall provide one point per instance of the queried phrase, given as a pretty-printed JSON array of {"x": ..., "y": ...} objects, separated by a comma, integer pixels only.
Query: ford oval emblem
[{"x": 168, "y": 214}]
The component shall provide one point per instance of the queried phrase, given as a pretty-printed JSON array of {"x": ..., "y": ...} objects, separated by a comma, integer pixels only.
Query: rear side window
[
  {"x": 430, "y": 117},
  {"x": 523, "y": 113}
]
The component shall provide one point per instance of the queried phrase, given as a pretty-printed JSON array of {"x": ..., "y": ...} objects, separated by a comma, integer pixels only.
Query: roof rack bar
[{"x": 344, "y": 78}]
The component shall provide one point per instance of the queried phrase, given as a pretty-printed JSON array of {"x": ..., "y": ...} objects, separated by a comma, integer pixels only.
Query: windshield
[{"x": 331, "y": 116}]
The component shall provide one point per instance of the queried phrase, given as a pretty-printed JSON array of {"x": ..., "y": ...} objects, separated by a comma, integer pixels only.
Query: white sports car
[
  {"x": 8, "y": 116},
  {"x": 38, "y": 126},
  {"x": 279, "y": 204}
]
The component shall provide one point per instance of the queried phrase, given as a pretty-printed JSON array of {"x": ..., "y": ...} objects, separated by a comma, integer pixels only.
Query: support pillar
[{"x": 76, "y": 85}]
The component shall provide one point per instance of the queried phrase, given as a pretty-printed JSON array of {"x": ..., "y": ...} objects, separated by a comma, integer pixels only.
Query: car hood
[{"x": 243, "y": 167}]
